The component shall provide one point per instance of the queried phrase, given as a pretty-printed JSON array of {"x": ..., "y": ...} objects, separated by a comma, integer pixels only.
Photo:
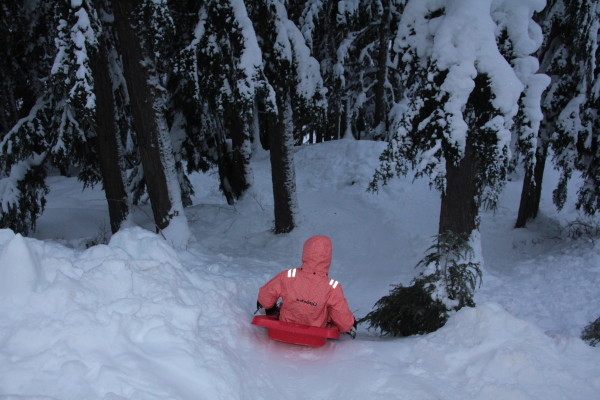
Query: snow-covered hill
[{"x": 136, "y": 319}]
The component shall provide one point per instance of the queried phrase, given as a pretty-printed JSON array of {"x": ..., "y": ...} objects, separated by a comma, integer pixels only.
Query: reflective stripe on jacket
[{"x": 309, "y": 296}]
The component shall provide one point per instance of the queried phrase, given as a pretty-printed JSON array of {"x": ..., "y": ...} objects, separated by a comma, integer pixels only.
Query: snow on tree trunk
[
  {"x": 152, "y": 132},
  {"x": 107, "y": 141},
  {"x": 282, "y": 168},
  {"x": 531, "y": 145},
  {"x": 381, "y": 108},
  {"x": 294, "y": 95}
]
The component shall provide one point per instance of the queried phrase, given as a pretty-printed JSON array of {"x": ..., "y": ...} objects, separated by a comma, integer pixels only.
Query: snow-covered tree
[
  {"x": 556, "y": 55},
  {"x": 65, "y": 61},
  {"x": 296, "y": 99},
  {"x": 144, "y": 65},
  {"x": 112, "y": 124},
  {"x": 16, "y": 97},
  {"x": 575, "y": 96},
  {"x": 58, "y": 126},
  {"x": 193, "y": 128},
  {"x": 223, "y": 69},
  {"x": 351, "y": 39},
  {"x": 14, "y": 91},
  {"x": 446, "y": 283},
  {"x": 568, "y": 55},
  {"x": 465, "y": 65}
]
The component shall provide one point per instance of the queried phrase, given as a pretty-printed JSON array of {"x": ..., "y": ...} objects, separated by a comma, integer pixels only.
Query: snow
[
  {"x": 9, "y": 193},
  {"x": 136, "y": 318},
  {"x": 463, "y": 40},
  {"x": 251, "y": 59},
  {"x": 19, "y": 268},
  {"x": 177, "y": 233},
  {"x": 310, "y": 12}
]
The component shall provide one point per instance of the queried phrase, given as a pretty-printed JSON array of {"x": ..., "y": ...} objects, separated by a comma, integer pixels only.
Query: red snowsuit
[{"x": 309, "y": 296}]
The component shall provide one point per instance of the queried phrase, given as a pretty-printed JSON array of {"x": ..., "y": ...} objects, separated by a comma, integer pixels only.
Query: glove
[
  {"x": 266, "y": 311},
  {"x": 352, "y": 331}
]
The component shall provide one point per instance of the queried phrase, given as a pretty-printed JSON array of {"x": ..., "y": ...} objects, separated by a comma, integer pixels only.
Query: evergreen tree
[
  {"x": 446, "y": 283},
  {"x": 568, "y": 55},
  {"x": 465, "y": 65},
  {"x": 109, "y": 132},
  {"x": 319, "y": 21},
  {"x": 222, "y": 67},
  {"x": 591, "y": 333},
  {"x": 63, "y": 123},
  {"x": 157, "y": 26},
  {"x": 351, "y": 41},
  {"x": 558, "y": 60},
  {"x": 576, "y": 139},
  {"x": 15, "y": 95},
  {"x": 144, "y": 68},
  {"x": 193, "y": 125},
  {"x": 58, "y": 126},
  {"x": 295, "y": 99}
]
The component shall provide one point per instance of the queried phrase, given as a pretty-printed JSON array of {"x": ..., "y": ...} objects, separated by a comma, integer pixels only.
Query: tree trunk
[
  {"x": 106, "y": 140},
  {"x": 380, "y": 103},
  {"x": 531, "y": 194},
  {"x": 232, "y": 161},
  {"x": 282, "y": 167},
  {"x": 149, "y": 124},
  {"x": 335, "y": 126},
  {"x": 8, "y": 113},
  {"x": 459, "y": 209}
]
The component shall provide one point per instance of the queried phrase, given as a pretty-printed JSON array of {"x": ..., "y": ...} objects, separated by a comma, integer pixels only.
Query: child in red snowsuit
[{"x": 309, "y": 296}]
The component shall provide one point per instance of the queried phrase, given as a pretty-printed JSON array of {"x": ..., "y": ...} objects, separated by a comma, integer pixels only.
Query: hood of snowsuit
[{"x": 316, "y": 255}]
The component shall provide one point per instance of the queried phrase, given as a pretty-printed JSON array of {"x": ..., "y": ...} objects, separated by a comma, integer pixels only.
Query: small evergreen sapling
[
  {"x": 591, "y": 333},
  {"x": 447, "y": 283}
]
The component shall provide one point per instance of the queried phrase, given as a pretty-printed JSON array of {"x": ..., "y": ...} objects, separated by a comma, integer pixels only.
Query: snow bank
[
  {"x": 123, "y": 320},
  {"x": 19, "y": 270},
  {"x": 486, "y": 353}
]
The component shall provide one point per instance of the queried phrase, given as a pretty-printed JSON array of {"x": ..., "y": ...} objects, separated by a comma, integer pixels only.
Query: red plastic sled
[{"x": 290, "y": 332}]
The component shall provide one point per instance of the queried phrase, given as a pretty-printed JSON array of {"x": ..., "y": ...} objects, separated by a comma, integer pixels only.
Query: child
[{"x": 309, "y": 296}]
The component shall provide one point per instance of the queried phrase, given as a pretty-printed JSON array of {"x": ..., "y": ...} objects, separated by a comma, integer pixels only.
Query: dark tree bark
[
  {"x": 106, "y": 140},
  {"x": 282, "y": 168},
  {"x": 532, "y": 189},
  {"x": 8, "y": 112},
  {"x": 145, "y": 120},
  {"x": 461, "y": 198},
  {"x": 380, "y": 103},
  {"x": 459, "y": 209},
  {"x": 232, "y": 165},
  {"x": 531, "y": 193},
  {"x": 334, "y": 118},
  {"x": 337, "y": 121}
]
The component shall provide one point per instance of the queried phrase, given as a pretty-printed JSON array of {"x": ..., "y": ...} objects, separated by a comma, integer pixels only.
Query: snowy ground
[{"x": 135, "y": 319}]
